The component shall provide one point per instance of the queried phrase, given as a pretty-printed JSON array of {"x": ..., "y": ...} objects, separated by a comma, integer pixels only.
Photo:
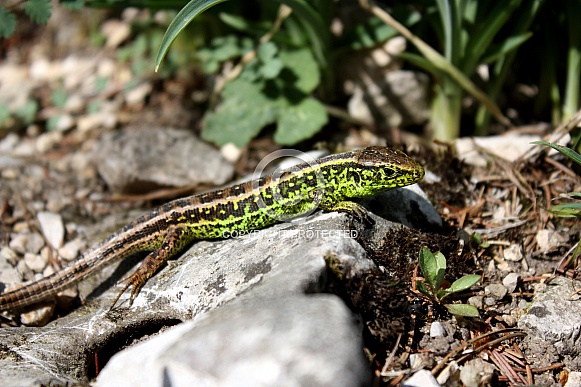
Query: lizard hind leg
[{"x": 174, "y": 241}]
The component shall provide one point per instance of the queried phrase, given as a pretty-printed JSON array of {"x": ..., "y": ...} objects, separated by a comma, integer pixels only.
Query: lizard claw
[{"x": 134, "y": 280}]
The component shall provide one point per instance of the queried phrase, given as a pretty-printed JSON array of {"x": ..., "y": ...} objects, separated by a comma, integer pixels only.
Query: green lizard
[{"x": 329, "y": 184}]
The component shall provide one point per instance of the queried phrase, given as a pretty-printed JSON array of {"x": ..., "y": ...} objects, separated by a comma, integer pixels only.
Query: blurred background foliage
[{"x": 492, "y": 65}]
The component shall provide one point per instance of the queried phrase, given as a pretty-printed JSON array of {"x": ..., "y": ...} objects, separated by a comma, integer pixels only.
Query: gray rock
[
  {"x": 437, "y": 330},
  {"x": 409, "y": 206},
  {"x": 573, "y": 380},
  {"x": 398, "y": 98},
  {"x": 422, "y": 378},
  {"x": 554, "y": 316},
  {"x": 294, "y": 341},
  {"x": 52, "y": 227},
  {"x": 510, "y": 282},
  {"x": 496, "y": 291},
  {"x": 474, "y": 371},
  {"x": 131, "y": 160},
  {"x": 476, "y": 301},
  {"x": 262, "y": 278}
]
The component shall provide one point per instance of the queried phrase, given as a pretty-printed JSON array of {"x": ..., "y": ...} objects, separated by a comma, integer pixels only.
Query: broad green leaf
[
  {"x": 267, "y": 51},
  {"x": 570, "y": 153},
  {"x": 7, "y": 23},
  {"x": 575, "y": 194},
  {"x": 244, "y": 111},
  {"x": 300, "y": 122},
  {"x": 271, "y": 69},
  {"x": 464, "y": 283},
  {"x": 462, "y": 310},
  {"x": 304, "y": 68},
  {"x": 182, "y": 19},
  {"x": 567, "y": 210},
  {"x": 38, "y": 10},
  {"x": 433, "y": 267}
]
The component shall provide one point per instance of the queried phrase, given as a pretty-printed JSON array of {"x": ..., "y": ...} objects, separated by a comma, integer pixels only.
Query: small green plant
[
  {"x": 433, "y": 268},
  {"x": 570, "y": 209}
]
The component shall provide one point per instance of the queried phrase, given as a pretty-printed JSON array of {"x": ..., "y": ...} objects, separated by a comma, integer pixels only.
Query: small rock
[
  {"x": 476, "y": 371},
  {"x": 138, "y": 94},
  {"x": 96, "y": 120},
  {"x": 509, "y": 320},
  {"x": 116, "y": 32},
  {"x": 548, "y": 240},
  {"x": 573, "y": 379},
  {"x": 437, "y": 330},
  {"x": 26, "y": 243},
  {"x": 508, "y": 147},
  {"x": 21, "y": 227},
  {"x": 52, "y": 227},
  {"x": 513, "y": 253},
  {"x": 70, "y": 250},
  {"x": 64, "y": 122},
  {"x": 47, "y": 141},
  {"x": 18, "y": 243},
  {"x": 422, "y": 378},
  {"x": 400, "y": 97},
  {"x": 497, "y": 291},
  {"x": 476, "y": 301},
  {"x": 231, "y": 152},
  {"x": 38, "y": 317},
  {"x": 554, "y": 316},
  {"x": 7, "y": 254},
  {"x": 489, "y": 301},
  {"x": 130, "y": 160},
  {"x": 510, "y": 282},
  {"x": 35, "y": 262},
  {"x": 8, "y": 273}
]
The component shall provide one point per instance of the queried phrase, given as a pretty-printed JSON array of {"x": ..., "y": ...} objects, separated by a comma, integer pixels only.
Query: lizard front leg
[
  {"x": 356, "y": 210},
  {"x": 174, "y": 241}
]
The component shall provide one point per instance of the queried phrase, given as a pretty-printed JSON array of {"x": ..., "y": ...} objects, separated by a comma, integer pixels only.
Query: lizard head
[{"x": 376, "y": 169}]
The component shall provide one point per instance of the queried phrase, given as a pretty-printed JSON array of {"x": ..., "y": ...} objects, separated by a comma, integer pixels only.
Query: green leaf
[
  {"x": 28, "y": 111},
  {"x": 73, "y": 4},
  {"x": 497, "y": 51},
  {"x": 52, "y": 123},
  {"x": 300, "y": 122},
  {"x": 305, "y": 71},
  {"x": 4, "y": 114},
  {"x": 271, "y": 69},
  {"x": 424, "y": 290},
  {"x": 462, "y": 310},
  {"x": 567, "y": 210},
  {"x": 38, "y": 10},
  {"x": 267, "y": 51},
  {"x": 244, "y": 111},
  {"x": 182, "y": 19},
  {"x": 7, "y": 23},
  {"x": 315, "y": 27},
  {"x": 433, "y": 267},
  {"x": 59, "y": 98},
  {"x": 570, "y": 153},
  {"x": 464, "y": 283}
]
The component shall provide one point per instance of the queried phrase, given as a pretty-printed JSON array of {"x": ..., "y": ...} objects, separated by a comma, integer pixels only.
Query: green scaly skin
[{"x": 328, "y": 184}]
